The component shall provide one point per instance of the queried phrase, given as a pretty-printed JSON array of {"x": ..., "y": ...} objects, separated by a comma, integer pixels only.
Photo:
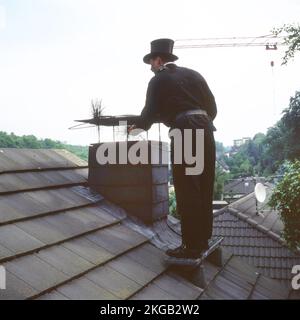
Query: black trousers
[{"x": 194, "y": 193}]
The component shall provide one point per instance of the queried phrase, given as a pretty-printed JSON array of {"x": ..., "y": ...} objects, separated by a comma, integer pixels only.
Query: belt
[{"x": 191, "y": 112}]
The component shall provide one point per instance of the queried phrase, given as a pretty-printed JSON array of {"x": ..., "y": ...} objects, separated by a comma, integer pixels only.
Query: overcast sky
[{"x": 57, "y": 55}]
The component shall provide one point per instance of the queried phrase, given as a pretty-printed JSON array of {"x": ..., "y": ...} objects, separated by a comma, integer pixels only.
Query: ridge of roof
[
  {"x": 256, "y": 225},
  {"x": 252, "y": 222},
  {"x": 14, "y": 160}
]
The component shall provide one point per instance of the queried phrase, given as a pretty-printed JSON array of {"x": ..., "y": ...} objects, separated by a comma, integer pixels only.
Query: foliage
[
  {"x": 286, "y": 199},
  {"x": 291, "y": 127},
  {"x": 246, "y": 161},
  {"x": 283, "y": 139},
  {"x": 172, "y": 204},
  {"x": 220, "y": 178},
  {"x": 291, "y": 38},
  {"x": 30, "y": 141},
  {"x": 264, "y": 154},
  {"x": 79, "y": 151}
]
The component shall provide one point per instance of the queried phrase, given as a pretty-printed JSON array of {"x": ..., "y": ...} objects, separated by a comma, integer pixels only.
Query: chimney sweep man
[{"x": 181, "y": 98}]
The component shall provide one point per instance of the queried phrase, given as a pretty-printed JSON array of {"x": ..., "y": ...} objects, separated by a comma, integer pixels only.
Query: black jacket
[{"x": 173, "y": 90}]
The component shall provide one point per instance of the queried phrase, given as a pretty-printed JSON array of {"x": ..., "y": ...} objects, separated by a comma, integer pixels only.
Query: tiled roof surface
[
  {"x": 256, "y": 238},
  {"x": 239, "y": 186},
  {"x": 237, "y": 280},
  {"x": 255, "y": 246},
  {"x": 260, "y": 213},
  {"x": 60, "y": 240}
]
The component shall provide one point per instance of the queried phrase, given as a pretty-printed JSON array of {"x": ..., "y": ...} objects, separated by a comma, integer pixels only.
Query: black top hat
[{"x": 162, "y": 47}]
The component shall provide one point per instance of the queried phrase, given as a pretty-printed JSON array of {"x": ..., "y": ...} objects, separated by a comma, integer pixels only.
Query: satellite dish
[{"x": 260, "y": 192}]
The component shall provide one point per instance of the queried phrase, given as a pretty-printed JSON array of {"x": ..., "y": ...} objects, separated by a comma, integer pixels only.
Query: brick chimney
[{"x": 141, "y": 189}]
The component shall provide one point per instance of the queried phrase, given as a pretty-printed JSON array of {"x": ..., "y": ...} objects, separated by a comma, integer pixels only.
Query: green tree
[
  {"x": 282, "y": 140},
  {"x": 291, "y": 124},
  {"x": 220, "y": 178},
  {"x": 286, "y": 199},
  {"x": 241, "y": 164},
  {"x": 30, "y": 141},
  {"x": 264, "y": 154},
  {"x": 172, "y": 204},
  {"x": 291, "y": 38}
]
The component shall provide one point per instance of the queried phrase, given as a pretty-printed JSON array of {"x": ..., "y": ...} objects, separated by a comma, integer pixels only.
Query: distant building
[
  {"x": 237, "y": 188},
  {"x": 239, "y": 142}
]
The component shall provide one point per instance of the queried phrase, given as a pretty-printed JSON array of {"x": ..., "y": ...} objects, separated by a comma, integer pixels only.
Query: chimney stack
[{"x": 140, "y": 189}]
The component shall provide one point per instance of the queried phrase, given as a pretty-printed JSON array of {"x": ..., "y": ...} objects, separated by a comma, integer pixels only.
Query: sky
[{"x": 58, "y": 55}]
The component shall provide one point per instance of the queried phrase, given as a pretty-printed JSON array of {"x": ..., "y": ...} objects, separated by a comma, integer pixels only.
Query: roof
[
  {"x": 237, "y": 280},
  {"x": 61, "y": 240},
  {"x": 263, "y": 215},
  {"x": 222, "y": 164},
  {"x": 255, "y": 245},
  {"x": 239, "y": 186},
  {"x": 256, "y": 239}
]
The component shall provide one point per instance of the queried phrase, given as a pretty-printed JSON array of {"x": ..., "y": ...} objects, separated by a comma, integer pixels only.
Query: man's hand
[{"x": 130, "y": 128}]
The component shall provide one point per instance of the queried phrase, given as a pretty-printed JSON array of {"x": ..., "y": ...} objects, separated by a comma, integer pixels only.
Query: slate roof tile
[
  {"x": 61, "y": 240},
  {"x": 255, "y": 244}
]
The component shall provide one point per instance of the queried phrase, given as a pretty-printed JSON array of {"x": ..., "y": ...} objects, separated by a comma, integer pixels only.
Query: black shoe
[
  {"x": 174, "y": 252},
  {"x": 188, "y": 253},
  {"x": 185, "y": 253}
]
